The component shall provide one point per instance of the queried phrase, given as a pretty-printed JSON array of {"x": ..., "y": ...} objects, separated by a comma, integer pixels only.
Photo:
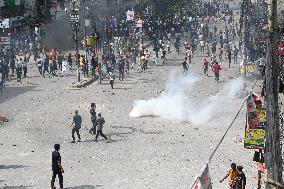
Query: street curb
[{"x": 83, "y": 84}]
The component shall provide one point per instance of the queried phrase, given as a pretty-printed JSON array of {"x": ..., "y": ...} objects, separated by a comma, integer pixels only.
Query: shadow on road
[
  {"x": 84, "y": 187},
  {"x": 12, "y": 166},
  {"x": 14, "y": 187},
  {"x": 11, "y": 92}
]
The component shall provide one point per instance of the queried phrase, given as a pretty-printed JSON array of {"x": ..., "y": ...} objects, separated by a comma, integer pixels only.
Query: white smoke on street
[{"x": 176, "y": 102}]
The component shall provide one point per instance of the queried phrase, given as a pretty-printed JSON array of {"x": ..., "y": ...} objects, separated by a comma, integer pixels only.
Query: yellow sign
[
  {"x": 261, "y": 114},
  {"x": 255, "y": 138},
  {"x": 90, "y": 41}
]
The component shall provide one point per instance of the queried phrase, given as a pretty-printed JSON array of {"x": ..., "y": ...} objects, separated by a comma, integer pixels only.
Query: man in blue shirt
[{"x": 77, "y": 121}]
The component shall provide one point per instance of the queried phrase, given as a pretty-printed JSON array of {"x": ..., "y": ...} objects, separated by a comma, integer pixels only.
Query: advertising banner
[
  {"x": 139, "y": 23},
  {"x": 255, "y": 139},
  {"x": 203, "y": 181},
  {"x": 255, "y": 134},
  {"x": 130, "y": 15}
]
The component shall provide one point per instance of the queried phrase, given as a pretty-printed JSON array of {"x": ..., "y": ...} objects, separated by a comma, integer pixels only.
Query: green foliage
[{"x": 170, "y": 8}]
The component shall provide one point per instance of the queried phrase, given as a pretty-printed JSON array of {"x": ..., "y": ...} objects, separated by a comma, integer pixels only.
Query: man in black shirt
[
  {"x": 185, "y": 66},
  {"x": 93, "y": 118},
  {"x": 242, "y": 178},
  {"x": 57, "y": 168}
]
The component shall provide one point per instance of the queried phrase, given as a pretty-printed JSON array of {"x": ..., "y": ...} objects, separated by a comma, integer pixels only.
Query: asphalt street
[{"x": 148, "y": 152}]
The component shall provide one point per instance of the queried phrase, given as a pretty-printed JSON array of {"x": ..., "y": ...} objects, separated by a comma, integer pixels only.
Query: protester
[
  {"x": 77, "y": 121},
  {"x": 19, "y": 71},
  {"x": 242, "y": 178},
  {"x": 45, "y": 66},
  {"x": 57, "y": 168},
  {"x": 233, "y": 176},
  {"x": 216, "y": 69},
  {"x": 93, "y": 113},
  {"x": 100, "y": 123},
  {"x": 205, "y": 67},
  {"x": 111, "y": 79},
  {"x": 185, "y": 66},
  {"x": 25, "y": 67},
  {"x": 64, "y": 67},
  {"x": 39, "y": 65}
]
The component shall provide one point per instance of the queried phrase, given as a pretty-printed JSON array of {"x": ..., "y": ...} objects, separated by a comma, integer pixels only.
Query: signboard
[
  {"x": 255, "y": 138},
  {"x": 5, "y": 40},
  {"x": 130, "y": 15},
  {"x": 139, "y": 23},
  {"x": 5, "y": 23},
  {"x": 87, "y": 22},
  {"x": 90, "y": 40},
  {"x": 255, "y": 134},
  {"x": 203, "y": 181}
]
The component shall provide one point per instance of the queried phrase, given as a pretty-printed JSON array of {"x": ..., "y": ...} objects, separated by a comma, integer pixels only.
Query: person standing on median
[
  {"x": 100, "y": 124},
  {"x": 77, "y": 121}
]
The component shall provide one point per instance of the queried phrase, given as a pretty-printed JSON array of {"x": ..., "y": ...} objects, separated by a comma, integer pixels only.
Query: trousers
[
  {"x": 60, "y": 177},
  {"x": 100, "y": 132},
  {"x": 77, "y": 130}
]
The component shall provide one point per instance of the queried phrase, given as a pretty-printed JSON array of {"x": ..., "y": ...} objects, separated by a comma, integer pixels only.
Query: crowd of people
[{"x": 189, "y": 35}]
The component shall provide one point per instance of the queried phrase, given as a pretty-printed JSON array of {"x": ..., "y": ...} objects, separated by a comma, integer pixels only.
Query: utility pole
[
  {"x": 245, "y": 13},
  {"x": 273, "y": 145},
  {"x": 74, "y": 15}
]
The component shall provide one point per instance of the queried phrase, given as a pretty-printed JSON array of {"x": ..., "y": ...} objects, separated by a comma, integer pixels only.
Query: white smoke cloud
[{"x": 176, "y": 103}]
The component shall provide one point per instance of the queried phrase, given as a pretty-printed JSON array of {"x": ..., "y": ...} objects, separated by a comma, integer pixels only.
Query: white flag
[
  {"x": 2, "y": 3},
  {"x": 17, "y": 2}
]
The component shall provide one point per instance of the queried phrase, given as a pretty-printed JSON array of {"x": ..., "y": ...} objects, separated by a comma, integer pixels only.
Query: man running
[
  {"x": 100, "y": 125},
  {"x": 216, "y": 69}
]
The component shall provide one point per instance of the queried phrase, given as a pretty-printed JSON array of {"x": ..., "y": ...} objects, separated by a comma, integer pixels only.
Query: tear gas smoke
[{"x": 175, "y": 103}]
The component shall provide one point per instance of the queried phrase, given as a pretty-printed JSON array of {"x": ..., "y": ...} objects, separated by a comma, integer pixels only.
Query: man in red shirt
[
  {"x": 216, "y": 68},
  {"x": 205, "y": 67},
  {"x": 281, "y": 50}
]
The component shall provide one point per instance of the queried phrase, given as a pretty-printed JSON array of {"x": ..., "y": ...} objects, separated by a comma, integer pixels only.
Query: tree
[{"x": 170, "y": 8}]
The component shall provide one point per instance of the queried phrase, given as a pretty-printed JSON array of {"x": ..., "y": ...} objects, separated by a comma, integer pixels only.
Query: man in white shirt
[
  {"x": 65, "y": 67},
  {"x": 39, "y": 64}
]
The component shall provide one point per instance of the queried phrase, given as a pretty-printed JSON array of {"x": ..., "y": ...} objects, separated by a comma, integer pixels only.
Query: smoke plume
[{"x": 176, "y": 102}]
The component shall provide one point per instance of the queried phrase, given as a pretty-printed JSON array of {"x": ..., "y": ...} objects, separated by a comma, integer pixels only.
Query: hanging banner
[
  {"x": 255, "y": 134},
  {"x": 90, "y": 40},
  {"x": 130, "y": 15},
  {"x": 139, "y": 23},
  {"x": 255, "y": 139},
  {"x": 203, "y": 181}
]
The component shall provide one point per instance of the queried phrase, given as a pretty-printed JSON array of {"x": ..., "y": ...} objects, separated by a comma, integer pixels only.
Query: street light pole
[
  {"x": 273, "y": 145},
  {"x": 75, "y": 23}
]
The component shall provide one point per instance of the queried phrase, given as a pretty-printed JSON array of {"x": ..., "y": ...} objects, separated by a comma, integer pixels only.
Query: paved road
[{"x": 148, "y": 152}]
